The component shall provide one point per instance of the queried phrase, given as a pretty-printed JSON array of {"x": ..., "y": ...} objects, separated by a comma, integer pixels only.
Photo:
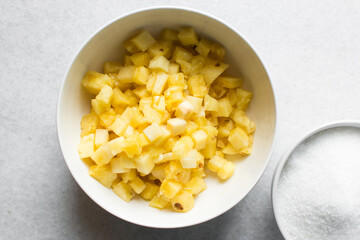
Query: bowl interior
[{"x": 74, "y": 102}]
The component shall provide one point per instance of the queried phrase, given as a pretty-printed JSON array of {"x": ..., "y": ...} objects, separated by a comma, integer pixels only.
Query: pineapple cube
[
  {"x": 170, "y": 143},
  {"x": 140, "y": 59},
  {"x": 151, "y": 115},
  {"x": 169, "y": 188},
  {"x": 175, "y": 171},
  {"x": 131, "y": 146},
  {"x": 105, "y": 96},
  {"x": 242, "y": 121},
  {"x": 218, "y": 91},
  {"x": 143, "y": 140},
  {"x": 128, "y": 176},
  {"x": 166, "y": 115},
  {"x": 86, "y": 146},
  {"x": 215, "y": 163},
  {"x": 211, "y": 104},
  {"x": 159, "y": 84},
  {"x": 166, "y": 157},
  {"x": 200, "y": 139},
  {"x": 130, "y": 46},
  {"x": 225, "y": 126},
  {"x": 190, "y": 128},
  {"x": 196, "y": 185},
  {"x": 225, "y": 108},
  {"x": 197, "y": 86},
  {"x": 145, "y": 103},
  {"x": 98, "y": 106},
  {"x": 102, "y": 155},
  {"x": 141, "y": 92},
  {"x": 185, "y": 66},
  {"x": 123, "y": 190},
  {"x": 93, "y": 81},
  {"x": 143, "y": 40},
  {"x": 203, "y": 47},
  {"x": 151, "y": 81},
  {"x": 159, "y": 63},
  {"x": 159, "y": 202},
  {"x": 159, "y": 103},
  {"x": 122, "y": 164},
  {"x": 111, "y": 67},
  {"x": 180, "y": 53},
  {"x": 176, "y": 126},
  {"x": 183, "y": 146},
  {"x": 184, "y": 110},
  {"x": 243, "y": 98},
  {"x": 210, "y": 147},
  {"x": 150, "y": 191},
  {"x": 144, "y": 163},
  {"x": 119, "y": 98},
  {"x": 163, "y": 138},
  {"x": 117, "y": 145},
  {"x": 159, "y": 172},
  {"x": 183, "y": 201},
  {"x": 196, "y": 102},
  {"x": 173, "y": 68},
  {"x": 230, "y": 82},
  {"x": 137, "y": 185},
  {"x": 134, "y": 101},
  {"x": 153, "y": 132},
  {"x": 89, "y": 123},
  {"x": 129, "y": 131},
  {"x": 121, "y": 86},
  {"x": 197, "y": 63},
  {"x": 169, "y": 34},
  {"x": 158, "y": 49},
  {"x": 191, "y": 159},
  {"x": 230, "y": 150},
  {"x": 226, "y": 170},
  {"x": 101, "y": 137},
  {"x": 238, "y": 138},
  {"x": 126, "y": 74},
  {"x": 188, "y": 36},
  {"x": 119, "y": 125},
  {"x": 141, "y": 75},
  {"x": 173, "y": 96},
  {"x": 103, "y": 174},
  {"x": 217, "y": 51},
  {"x": 177, "y": 79},
  {"x": 212, "y": 71}
]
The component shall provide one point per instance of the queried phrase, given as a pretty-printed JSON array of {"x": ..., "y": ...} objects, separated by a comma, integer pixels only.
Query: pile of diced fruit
[{"x": 162, "y": 116}]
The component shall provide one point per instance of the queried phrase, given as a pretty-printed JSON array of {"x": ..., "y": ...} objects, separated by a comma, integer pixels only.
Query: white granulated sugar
[{"x": 318, "y": 195}]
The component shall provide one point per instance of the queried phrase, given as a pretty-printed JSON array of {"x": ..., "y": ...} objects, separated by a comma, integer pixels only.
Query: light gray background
[{"x": 310, "y": 48}]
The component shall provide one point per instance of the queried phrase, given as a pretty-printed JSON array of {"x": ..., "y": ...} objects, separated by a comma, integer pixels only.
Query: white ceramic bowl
[
  {"x": 286, "y": 156},
  {"x": 74, "y": 102}
]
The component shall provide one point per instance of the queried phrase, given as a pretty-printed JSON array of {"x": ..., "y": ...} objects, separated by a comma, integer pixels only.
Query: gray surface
[{"x": 310, "y": 48}]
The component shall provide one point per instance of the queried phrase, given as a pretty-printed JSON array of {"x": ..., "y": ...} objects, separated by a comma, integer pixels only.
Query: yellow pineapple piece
[
  {"x": 192, "y": 159},
  {"x": 190, "y": 128},
  {"x": 158, "y": 49},
  {"x": 159, "y": 63},
  {"x": 140, "y": 59},
  {"x": 230, "y": 82},
  {"x": 151, "y": 115},
  {"x": 141, "y": 75},
  {"x": 226, "y": 170},
  {"x": 98, "y": 106},
  {"x": 137, "y": 185},
  {"x": 122, "y": 164},
  {"x": 225, "y": 126},
  {"x": 196, "y": 102},
  {"x": 167, "y": 44},
  {"x": 101, "y": 137},
  {"x": 238, "y": 138},
  {"x": 180, "y": 53},
  {"x": 175, "y": 171},
  {"x": 159, "y": 84},
  {"x": 170, "y": 143},
  {"x": 107, "y": 118},
  {"x": 203, "y": 47},
  {"x": 212, "y": 71},
  {"x": 183, "y": 146},
  {"x": 130, "y": 46},
  {"x": 119, "y": 98},
  {"x": 197, "y": 86},
  {"x": 185, "y": 66},
  {"x": 126, "y": 74},
  {"x": 173, "y": 96},
  {"x": 151, "y": 81},
  {"x": 169, "y": 188},
  {"x": 158, "y": 103},
  {"x": 225, "y": 108},
  {"x": 131, "y": 146},
  {"x": 218, "y": 91},
  {"x": 215, "y": 163},
  {"x": 174, "y": 68},
  {"x": 105, "y": 96},
  {"x": 102, "y": 174},
  {"x": 102, "y": 155},
  {"x": 183, "y": 201},
  {"x": 119, "y": 125},
  {"x": 210, "y": 147},
  {"x": 200, "y": 139},
  {"x": 159, "y": 172},
  {"x": 165, "y": 134},
  {"x": 217, "y": 51},
  {"x": 197, "y": 63},
  {"x": 198, "y": 172},
  {"x": 150, "y": 191},
  {"x": 188, "y": 36},
  {"x": 243, "y": 98},
  {"x": 159, "y": 202},
  {"x": 141, "y": 92},
  {"x": 177, "y": 79},
  {"x": 94, "y": 81},
  {"x": 86, "y": 146},
  {"x": 230, "y": 150},
  {"x": 242, "y": 121},
  {"x": 169, "y": 34},
  {"x": 196, "y": 185},
  {"x": 211, "y": 104},
  {"x": 144, "y": 163},
  {"x": 117, "y": 84},
  {"x": 116, "y": 145},
  {"x": 128, "y": 176},
  {"x": 143, "y": 140},
  {"x": 134, "y": 101},
  {"x": 89, "y": 123},
  {"x": 111, "y": 67},
  {"x": 123, "y": 190},
  {"x": 143, "y": 40}
]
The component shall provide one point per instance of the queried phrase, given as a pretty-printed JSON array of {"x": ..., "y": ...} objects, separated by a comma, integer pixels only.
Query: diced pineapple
[
  {"x": 175, "y": 171},
  {"x": 170, "y": 143},
  {"x": 105, "y": 96},
  {"x": 226, "y": 170},
  {"x": 165, "y": 134},
  {"x": 203, "y": 47},
  {"x": 210, "y": 147},
  {"x": 212, "y": 71},
  {"x": 211, "y": 104},
  {"x": 215, "y": 163},
  {"x": 117, "y": 166},
  {"x": 166, "y": 115},
  {"x": 221, "y": 143},
  {"x": 183, "y": 146},
  {"x": 123, "y": 190},
  {"x": 180, "y": 53},
  {"x": 200, "y": 138},
  {"x": 150, "y": 191},
  {"x": 166, "y": 157},
  {"x": 169, "y": 188},
  {"x": 159, "y": 202},
  {"x": 176, "y": 126},
  {"x": 103, "y": 174},
  {"x": 141, "y": 75},
  {"x": 151, "y": 115},
  {"x": 153, "y": 132},
  {"x": 130, "y": 46},
  {"x": 190, "y": 128},
  {"x": 225, "y": 108},
  {"x": 151, "y": 81},
  {"x": 159, "y": 103},
  {"x": 158, "y": 50},
  {"x": 86, "y": 146},
  {"x": 111, "y": 67},
  {"x": 98, "y": 106},
  {"x": 243, "y": 98},
  {"x": 89, "y": 123},
  {"x": 119, "y": 125},
  {"x": 238, "y": 138},
  {"x": 184, "y": 110},
  {"x": 173, "y": 68},
  {"x": 129, "y": 131},
  {"x": 140, "y": 59},
  {"x": 183, "y": 201},
  {"x": 131, "y": 146},
  {"x": 134, "y": 101},
  {"x": 127, "y": 61},
  {"x": 128, "y": 176},
  {"x": 177, "y": 79},
  {"x": 229, "y": 149},
  {"x": 126, "y": 74},
  {"x": 143, "y": 140},
  {"x": 217, "y": 51},
  {"x": 143, "y": 40},
  {"x": 159, "y": 63},
  {"x": 218, "y": 91},
  {"x": 159, "y": 84},
  {"x": 196, "y": 102},
  {"x": 242, "y": 121},
  {"x": 225, "y": 126},
  {"x": 144, "y": 163},
  {"x": 196, "y": 185},
  {"x": 188, "y": 36},
  {"x": 191, "y": 159},
  {"x": 198, "y": 172},
  {"x": 94, "y": 81},
  {"x": 173, "y": 96},
  {"x": 169, "y": 34},
  {"x": 197, "y": 86},
  {"x": 117, "y": 145},
  {"x": 102, "y": 155},
  {"x": 185, "y": 66},
  {"x": 230, "y": 82},
  {"x": 159, "y": 172},
  {"x": 141, "y": 92},
  {"x": 137, "y": 185},
  {"x": 119, "y": 98},
  {"x": 101, "y": 137}
]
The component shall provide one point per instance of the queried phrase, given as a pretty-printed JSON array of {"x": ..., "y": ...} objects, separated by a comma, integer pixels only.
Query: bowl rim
[
  {"x": 283, "y": 160},
  {"x": 195, "y": 11}
]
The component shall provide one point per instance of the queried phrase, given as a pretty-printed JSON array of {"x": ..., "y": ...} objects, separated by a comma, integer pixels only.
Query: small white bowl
[
  {"x": 104, "y": 45},
  {"x": 282, "y": 162}
]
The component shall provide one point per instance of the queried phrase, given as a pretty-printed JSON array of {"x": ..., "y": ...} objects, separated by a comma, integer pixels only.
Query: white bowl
[
  {"x": 74, "y": 102},
  {"x": 286, "y": 156}
]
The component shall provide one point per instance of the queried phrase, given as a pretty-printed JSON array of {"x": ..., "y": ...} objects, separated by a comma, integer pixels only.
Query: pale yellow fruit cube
[
  {"x": 191, "y": 127},
  {"x": 102, "y": 155},
  {"x": 165, "y": 134},
  {"x": 196, "y": 185},
  {"x": 140, "y": 59},
  {"x": 101, "y": 137},
  {"x": 230, "y": 150},
  {"x": 185, "y": 66},
  {"x": 197, "y": 63},
  {"x": 175, "y": 171},
  {"x": 170, "y": 143},
  {"x": 184, "y": 110},
  {"x": 119, "y": 125},
  {"x": 169, "y": 34},
  {"x": 183, "y": 146},
  {"x": 158, "y": 49},
  {"x": 211, "y": 104},
  {"x": 180, "y": 53},
  {"x": 238, "y": 138},
  {"x": 226, "y": 170},
  {"x": 177, "y": 79},
  {"x": 210, "y": 147},
  {"x": 243, "y": 98},
  {"x": 126, "y": 74},
  {"x": 215, "y": 163},
  {"x": 217, "y": 51},
  {"x": 196, "y": 102},
  {"x": 225, "y": 108},
  {"x": 242, "y": 121},
  {"x": 230, "y": 82},
  {"x": 102, "y": 174},
  {"x": 176, "y": 126},
  {"x": 143, "y": 40},
  {"x": 128, "y": 176},
  {"x": 150, "y": 191},
  {"x": 119, "y": 98},
  {"x": 117, "y": 166},
  {"x": 191, "y": 159},
  {"x": 131, "y": 146},
  {"x": 197, "y": 86},
  {"x": 107, "y": 118},
  {"x": 173, "y": 68},
  {"x": 212, "y": 71},
  {"x": 130, "y": 46},
  {"x": 151, "y": 115},
  {"x": 159, "y": 103},
  {"x": 144, "y": 163},
  {"x": 145, "y": 103},
  {"x": 200, "y": 139},
  {"x": 86, "y": 146},
  {"x": 141, "y": 92},
  {"x": 124, "y": 161},
  {"x": 134, "y": 101},
  {"x": 173, "y": 96},
  {"x": 151, "y": 81},
  {"x": 123, "y": 190},
  {"x": 159, "y": 84},
  {"x": 165, "y": 157},
  {"x": 159, "y": 172},
  {"x": 218, "y": 91},
  {"x": 203, "y": 47},
  {"x": 141, "y": 75},
  {"x": 225, "y": 126},
  {"x": 159, "y": 63},
  {"x": 159, "y": 202},
  {"x": 98, "y": 106},
  {"x": 153, "y": 132},
  {"x": 111, "y": 67},
  {"x": 93, "y": 81},
  {"x": 183, "y": 201},
  {"x": 198, "y": 172},
  {"x": 89, "y": 123},
  {"x": 129, "y": 131},
  {"x": 169, "y": 188},
  {"x": 137, "y": 185},
  {"x": 188, "y": 36},
  {"x": 105, "y": 96}
]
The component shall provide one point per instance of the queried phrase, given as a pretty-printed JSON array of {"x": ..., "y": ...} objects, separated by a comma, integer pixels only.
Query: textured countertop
[{"x": 310, "y": 48}]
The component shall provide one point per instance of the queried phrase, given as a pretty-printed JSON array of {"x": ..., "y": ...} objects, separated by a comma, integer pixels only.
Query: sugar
[{"x": 318, "y": 194}]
